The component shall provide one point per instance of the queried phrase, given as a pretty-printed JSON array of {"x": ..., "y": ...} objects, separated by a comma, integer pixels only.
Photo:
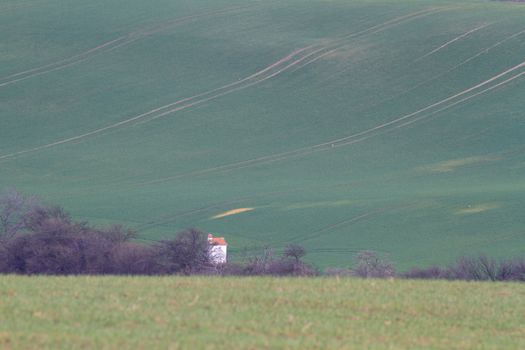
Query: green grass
[
  {"x": 256, "y": 313},
  {"x": 402, "y": 189}
]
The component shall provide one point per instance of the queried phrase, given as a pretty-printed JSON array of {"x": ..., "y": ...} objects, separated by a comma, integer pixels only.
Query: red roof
[{"x": 216, "y": 240}]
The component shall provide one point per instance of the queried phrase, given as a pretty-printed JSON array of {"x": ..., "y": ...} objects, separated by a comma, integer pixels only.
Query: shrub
[
  {"x": 259, "y": 264},
  {"x": 433, "y": 272},
  {"x": 51, "y": 251},
  {"x": 135, "y": 259},
  {"x": 230, "y": 269},
  {"x": 517, "y": 269},
  {"x": 187, "y": 253},
  {"x": 289, "y": 264},
  {"x": 59, "y": 246},
  {"x": 474, "y": 269},
  {"x": 369, "y": 265}
]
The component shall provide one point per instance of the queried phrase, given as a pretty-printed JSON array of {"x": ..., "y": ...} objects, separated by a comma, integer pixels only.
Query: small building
[{"x": 218, "y": 249}]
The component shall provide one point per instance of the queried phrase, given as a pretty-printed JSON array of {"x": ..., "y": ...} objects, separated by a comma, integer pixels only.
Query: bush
[
  {"x": 59, "y": 246},
  {"x": 433, "y": 272},
  {"x": 135, "y": 259},
  {"x": 230, "y": 269},
  {"x": 259, "y": 264},
  {"x": 369, "y": 265},
  {"x": 512, "y": 270},
  {"x": 474, "y": 269},
  {"x": 186, "y": 254},
  {"x": 266, "y": 263}
]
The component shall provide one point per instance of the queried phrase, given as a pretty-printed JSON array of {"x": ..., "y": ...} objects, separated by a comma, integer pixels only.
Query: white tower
[{"x": 218, "y": 249}]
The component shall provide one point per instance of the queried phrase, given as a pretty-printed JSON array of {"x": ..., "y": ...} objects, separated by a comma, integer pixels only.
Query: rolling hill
[{"x": 338, "y": 125}]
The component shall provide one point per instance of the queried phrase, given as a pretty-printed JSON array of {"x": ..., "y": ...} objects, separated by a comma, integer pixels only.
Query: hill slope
[{"x": 341, "y": 125}]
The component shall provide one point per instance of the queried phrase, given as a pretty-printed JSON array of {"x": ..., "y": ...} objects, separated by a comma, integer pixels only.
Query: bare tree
[
  {"x": 369, "y": 265},
  {"x": 14, "y": 208},
  {"x": 479, "y": 268},
  {"x": 259, "y": 264},
  {"x": 38, "y": 215},
  {"x": 432, "y": 272},
  {"x": 289, "y": 264},
  {"x": 135, "y": 259},
  {"x": 188, "y": 253},
  {"x": 295, "y": 252}
]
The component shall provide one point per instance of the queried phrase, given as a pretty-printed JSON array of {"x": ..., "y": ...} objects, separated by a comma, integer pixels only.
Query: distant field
[
  {"x": 395, "y": 126},
  {"x": 256, "y": 313}
]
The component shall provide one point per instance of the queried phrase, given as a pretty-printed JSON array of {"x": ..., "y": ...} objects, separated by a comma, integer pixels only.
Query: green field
[
  {"x": 395, "y": 126},
  {"x": 257, "y": 313}
]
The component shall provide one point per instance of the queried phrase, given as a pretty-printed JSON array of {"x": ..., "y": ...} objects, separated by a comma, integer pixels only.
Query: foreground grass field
[
  {"x": 340, "y": 125},
  {"x": 254, "y": 313}
]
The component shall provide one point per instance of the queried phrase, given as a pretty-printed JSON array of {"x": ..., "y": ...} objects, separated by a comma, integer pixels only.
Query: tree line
[{"x": 42, "y": 239}]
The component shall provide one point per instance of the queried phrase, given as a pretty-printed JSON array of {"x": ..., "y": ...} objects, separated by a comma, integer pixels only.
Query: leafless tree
[
  {"x": 258, "y": 264},
  {"x": 432, "y": 272},
  {"x": 135, "y": 259},
  {"x": 369, "y": 265},
  {"x": 187, "y": 253},
  {"x": 295, "y": 252},
  {"x": 14, "y": 209}
]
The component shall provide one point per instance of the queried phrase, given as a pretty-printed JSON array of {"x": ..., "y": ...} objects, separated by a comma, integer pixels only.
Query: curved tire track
[
  {"x": 107, "y": 47},
  {"x": 362, "y": 135},
  {"x": 258, "y": 77},
  {"x": 459, "y": 37},
  {"x": 251, "y": 80}
]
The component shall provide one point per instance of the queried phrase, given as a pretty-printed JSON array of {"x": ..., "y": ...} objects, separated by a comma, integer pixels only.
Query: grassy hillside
[
  {"x": 343, "y": 125},
  {"x": 256, "y": 313}
]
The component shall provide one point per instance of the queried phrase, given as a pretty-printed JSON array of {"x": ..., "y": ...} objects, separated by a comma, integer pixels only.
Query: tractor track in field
[
  {"x": 63, "y": 61},
  {"x": 109, "y": 46},
  {"x": 354, "y": 219},
  {"x": 498, "y": 85},
  {"x": 221, "y": 91},
  {"x": 362, "y": 135},
  {"x": 345, "y": 251},
  {"x": 449, "y": 99},
  {"x": 183, "y": 103},
  {"x": 314, "y": 59},
  {"x": 10, "y": 7},
  {"x": 452, "y": 69},
  {"x": 234, "y": 87},
  {"x": 254, "y": 79},
  {"x": 331, "y": 46},
  {"x": 334, "y": 45},
  {"x": 57, "y": 65},
  {"x": 450, "y": 42},
  {"x": 394, "y": 21},
  {"x": 369, "y": 133},
  {"x": 327, "y": 229}
]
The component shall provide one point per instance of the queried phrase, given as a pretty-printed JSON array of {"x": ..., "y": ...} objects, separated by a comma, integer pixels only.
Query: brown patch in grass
[
  {"x": 232, "y": 212},
  {"x": 451, "y": 165},
  {"x": 479, "y": 208}
]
